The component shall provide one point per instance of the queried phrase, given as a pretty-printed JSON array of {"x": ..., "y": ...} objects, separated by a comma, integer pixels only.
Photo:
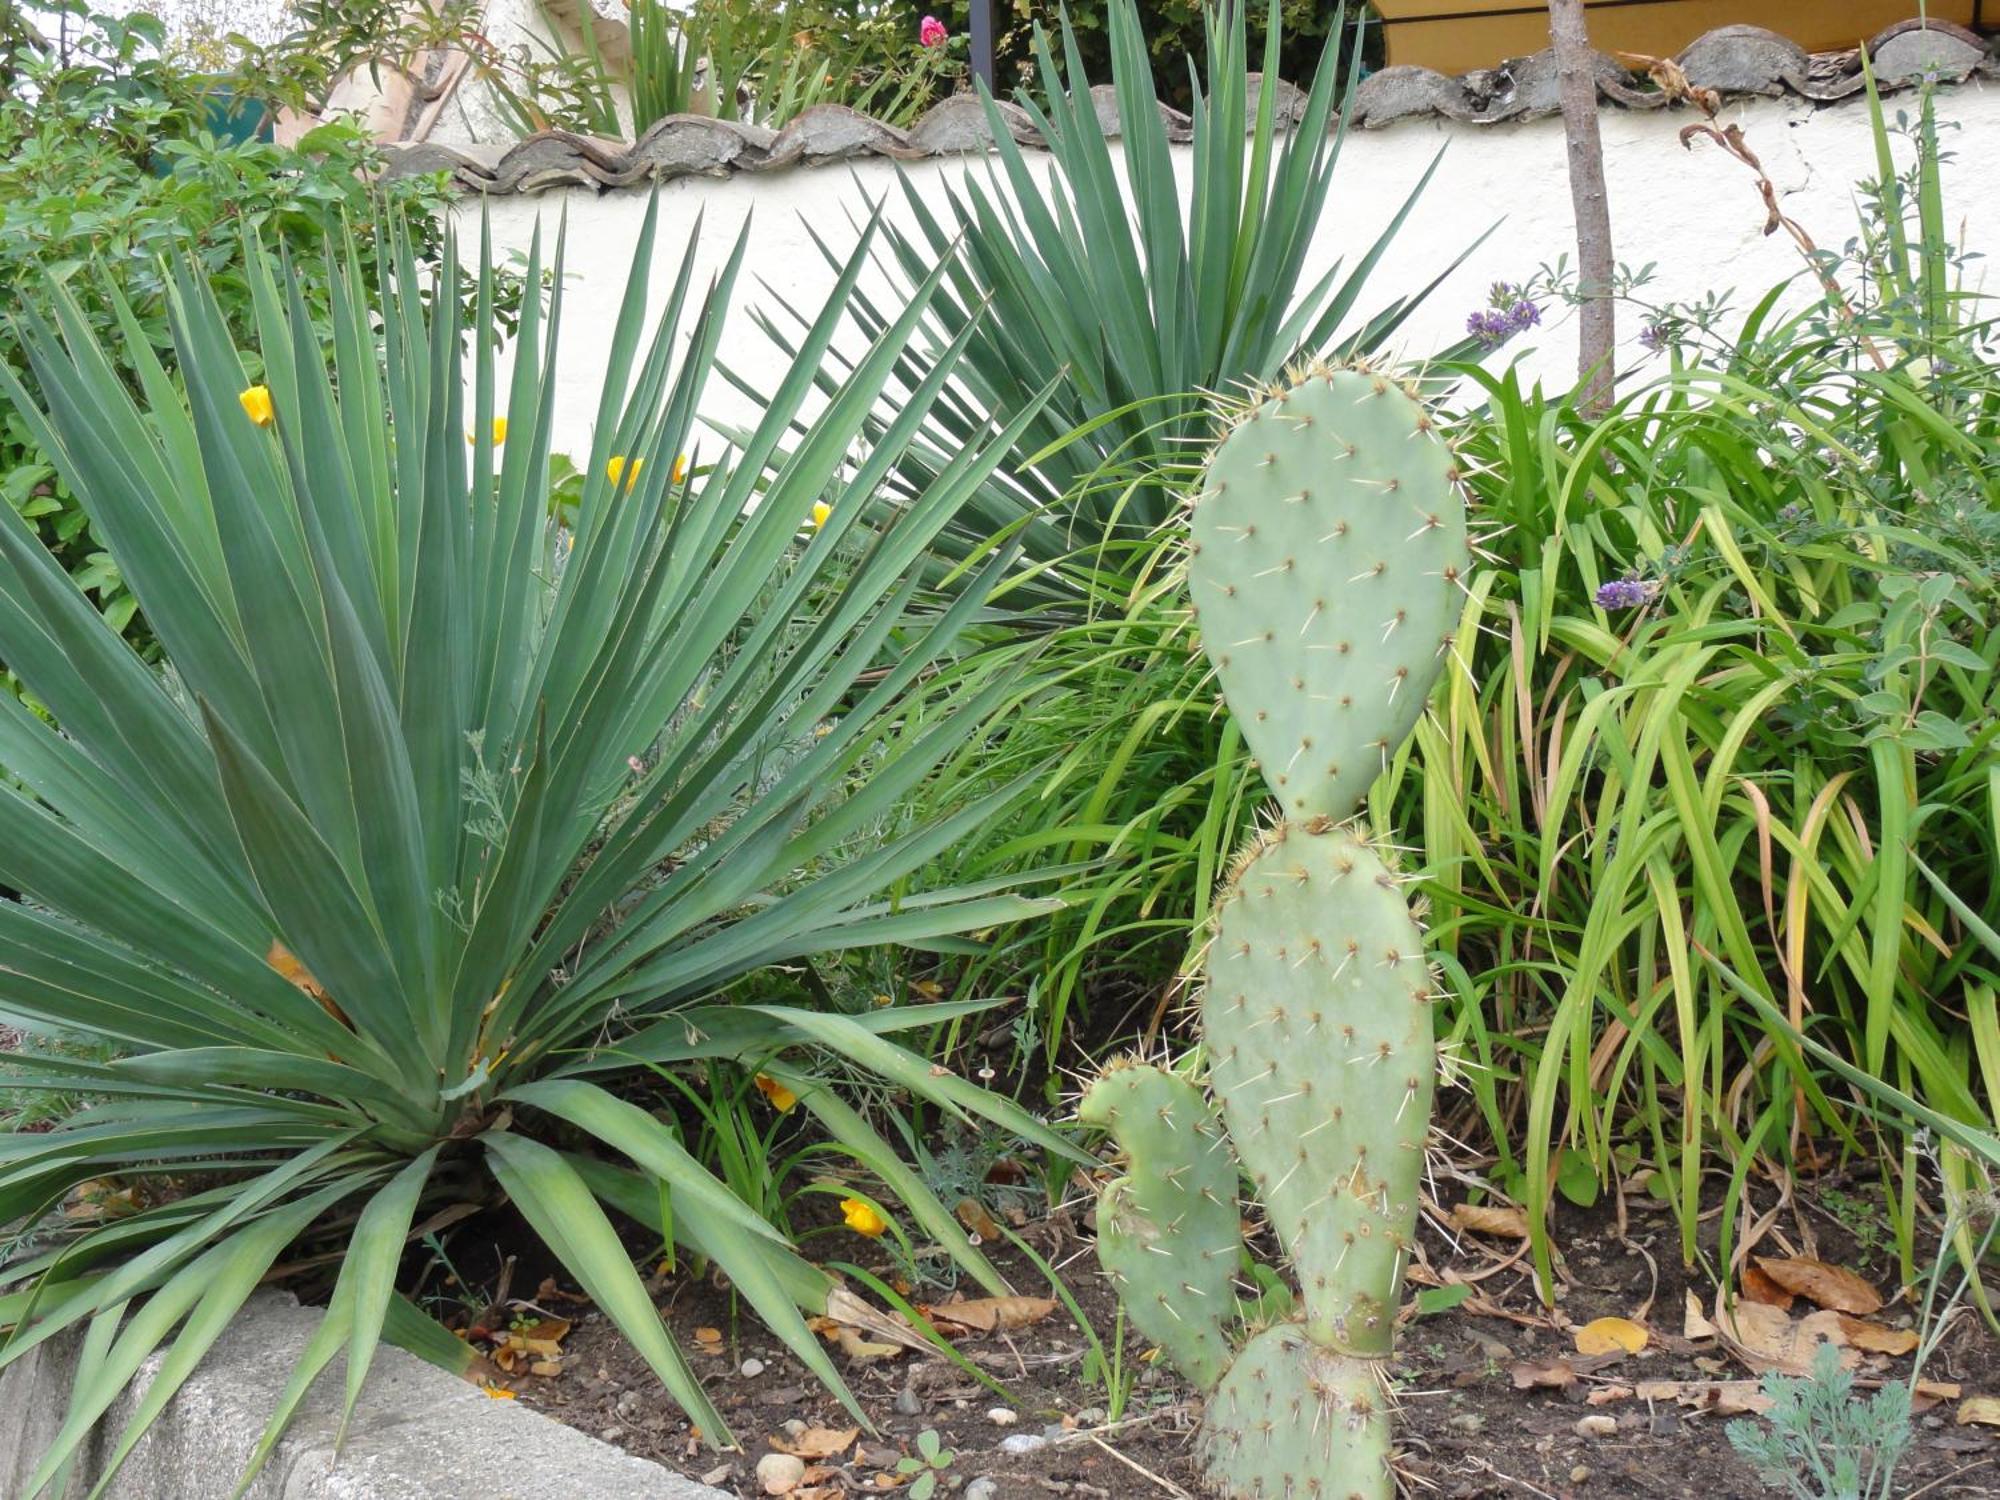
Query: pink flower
[{"x": 931, "y": 32}]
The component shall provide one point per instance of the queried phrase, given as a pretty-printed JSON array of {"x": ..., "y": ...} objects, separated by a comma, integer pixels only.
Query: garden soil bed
[{"x": 1496, "y": 1399}]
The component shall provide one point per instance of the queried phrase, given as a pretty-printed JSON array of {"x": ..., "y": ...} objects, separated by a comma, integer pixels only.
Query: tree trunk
[{"x": 1576, "y": 73}]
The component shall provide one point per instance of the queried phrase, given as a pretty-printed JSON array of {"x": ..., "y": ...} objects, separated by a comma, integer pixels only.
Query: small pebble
[
  {"x": 752, "y": 1368},
  {"x": 780, "y": 1473},
  {"x": 1090, "y": 1416},
  {"x": 909, "y": 1403},
  {"x": 1598, "y": 1426},
  {"x": 1054, "y": 1430},
  {"x": 793, "y": 1427},
  {"x": 611, "y": 1434},
  {"x": 1579, "y": 1474},
  {"x": 982, "y": 1488},
  {"x": 1000, "y": 1416},
  {"x": 1017, "y": 1443},
  {"x": 628, "y": 1405}
]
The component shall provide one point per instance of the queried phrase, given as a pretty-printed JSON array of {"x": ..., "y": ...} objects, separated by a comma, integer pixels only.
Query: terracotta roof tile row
[{"x": 1735, "y": 61}]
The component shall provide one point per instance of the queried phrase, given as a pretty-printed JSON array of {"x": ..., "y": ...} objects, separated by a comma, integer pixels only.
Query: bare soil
[{"x": 1468, "y": 1426}]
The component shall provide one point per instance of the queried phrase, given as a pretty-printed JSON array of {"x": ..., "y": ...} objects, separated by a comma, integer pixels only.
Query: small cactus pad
[
  {"x": 1167, "y": 1234},
  {"x": 1294, "y": 1421},
  {"x": 1318, "y": 1025},
  {"x": 1326, "y": 539}
]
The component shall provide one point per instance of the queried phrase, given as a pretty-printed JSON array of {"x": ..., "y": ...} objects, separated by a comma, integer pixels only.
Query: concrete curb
[{"x": 417, "y": 1433}]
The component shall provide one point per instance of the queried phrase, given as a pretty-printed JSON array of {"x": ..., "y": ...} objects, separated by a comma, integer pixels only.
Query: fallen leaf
[
  {"x": 1694, "y": 1322},
  {"x": 849, "y": 1312},
  {"x": 545, "y": 1368},
  {"x": 708, "y": 1340},
  {"x": 1765, "y": 1339},
  {"x": 1826, "y": 1285},
  {"x": 1726, "y": 1398},
  {"x": 1602, "y": 1335},
  {"x": 855, "y": 1347},
  {"x": 990, "y": 1314},
  {"x": 1876, "y": 1339},
  {"x": 816, "y": 1442},
  {"x": 1985, "y": 1410},
  {"x": 1493, "y": 1219},
  {"x": 977, "y": 1221},
  {"x": 1604, "y": 1395},
  {"x": 1553, "y": 1374},
  {"x": 1758, "y": 1286}
]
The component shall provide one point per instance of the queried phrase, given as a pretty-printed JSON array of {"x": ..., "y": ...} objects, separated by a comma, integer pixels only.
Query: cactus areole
[{"x": 1328, "y": 546}]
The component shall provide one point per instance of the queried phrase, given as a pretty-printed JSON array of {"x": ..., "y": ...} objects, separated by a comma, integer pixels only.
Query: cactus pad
[
  {"x": 1294, "y": 1421},
  {"x": 1318, "y": 1025},
  {"x": 1167, "y": 1234},
  {"x": 1326, "y": 539}
]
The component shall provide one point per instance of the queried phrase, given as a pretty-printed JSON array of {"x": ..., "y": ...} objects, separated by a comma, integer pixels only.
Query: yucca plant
[
  {"x": 1135, "y": 299},
  {"x": 444, "y": 814}
]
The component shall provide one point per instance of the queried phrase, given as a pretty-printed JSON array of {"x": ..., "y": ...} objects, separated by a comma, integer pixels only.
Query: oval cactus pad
[{"x": 1328, "y": 546}]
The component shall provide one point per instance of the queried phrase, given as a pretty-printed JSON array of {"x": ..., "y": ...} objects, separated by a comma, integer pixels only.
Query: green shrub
[
  {"x": 445, "y": 820},
  {"x": 106, "y": 167},
  {"x": 1724, "y": 725}
]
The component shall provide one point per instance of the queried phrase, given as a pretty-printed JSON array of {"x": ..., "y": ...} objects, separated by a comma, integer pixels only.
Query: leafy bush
[
  {"x": 1125, "y": 303},
  {"x": 1724, "y": 729},
  {"x": 445, "y": 818},
  {"x": 106, "y": 167}
]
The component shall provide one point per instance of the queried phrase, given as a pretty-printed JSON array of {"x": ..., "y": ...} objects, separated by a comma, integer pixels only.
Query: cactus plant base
[{"x": 1293, "y": 1420}]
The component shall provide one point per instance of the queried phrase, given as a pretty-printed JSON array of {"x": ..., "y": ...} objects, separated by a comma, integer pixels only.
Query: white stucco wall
[{"x": 1695, "y": 214}]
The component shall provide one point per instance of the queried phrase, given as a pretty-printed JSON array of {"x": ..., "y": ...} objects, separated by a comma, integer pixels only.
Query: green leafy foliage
[
  {"x": 1820, "y": 1440},
  {"x": 107, "y": 169},
  {"x": 1133, "y": 299},
  {"x": 1721, "y": 727},
  {"x": 446, "y": 817}
]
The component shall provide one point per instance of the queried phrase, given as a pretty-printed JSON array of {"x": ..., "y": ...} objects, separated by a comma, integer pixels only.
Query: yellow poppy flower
[
  {"x": 862, "y": 1218},
  {"x": 617, "y": 471},
  {"x": 680, "y": 468},
  {"x": 820, "y": 511},
  {"x": 499, "y": 432},
  {"x": 257, "y": 405},
  {"x": 782, "y": 1098}
]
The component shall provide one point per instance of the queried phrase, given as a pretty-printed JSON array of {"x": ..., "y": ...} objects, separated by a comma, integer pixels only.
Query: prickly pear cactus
[
  {"x": 1328, "y": 548},
  {"x": 1168, "y": 1234}
]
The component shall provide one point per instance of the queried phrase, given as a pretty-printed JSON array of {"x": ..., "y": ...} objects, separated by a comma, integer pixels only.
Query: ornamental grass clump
[{"x": 447, "y": 815}]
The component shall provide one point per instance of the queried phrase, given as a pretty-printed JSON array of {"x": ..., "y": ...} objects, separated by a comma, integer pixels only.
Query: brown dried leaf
[
  {"x": 1985, "y": 1410},
  {"x": 1767, "y": 1340},
  {"x": 1694, "y": 1322},
  {"x": 849, "y": 1312},
  {"x": 1602, "y": 1335},
  {"x": 989, "y": 1314},
  {"x": 1494, "y": 1219},
  {"x": 1875, "y": 1338},
  {"x": 546, "y": 1368},
  {"x": 1554, "y": 1374},
  {"x": 816, "y": 1442},
  {"x": 1824, "y": 1285},
  {"x": 977, "y": 1221},
  {"x": 1605, "y": 1395},
  {"x": 1758, "y": 1286},
  {"x": 855, "y": 1347}
]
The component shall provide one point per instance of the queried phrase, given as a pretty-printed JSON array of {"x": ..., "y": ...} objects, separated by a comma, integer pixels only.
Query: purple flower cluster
[
  {"x": 1508, "y": 311},
  {"x": 1655, "y": 336},
  {"x": 1625, "y": 593}
]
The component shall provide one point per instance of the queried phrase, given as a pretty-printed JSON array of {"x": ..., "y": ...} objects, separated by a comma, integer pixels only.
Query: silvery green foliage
[{"x": 1820, "y": 1441}]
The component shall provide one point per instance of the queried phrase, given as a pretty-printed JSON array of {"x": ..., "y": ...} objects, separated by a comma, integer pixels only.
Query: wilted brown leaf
[
  {"x": 1493, "y": 1219},
  {"x": 1602, "y": 1335},
  {"x": 1765, "y": 1339},
  {"x": 977, "y": 1221},
  {"x": 1694, "y": 1321},
  {"x": 1758, "y": 1286},
  {"x": 855, "y": 1347},
  {"x": 989, "y": 1314},
  {"x": 1874, "y": 1338},
  {"x": 1554, "y": 1374},
  {"x": 1608, "y": 1395},
  {"x": 816, "y": 1442},
  {"x": 1824, "y": 1285},
  {"x": 1984, "y": 1410}
]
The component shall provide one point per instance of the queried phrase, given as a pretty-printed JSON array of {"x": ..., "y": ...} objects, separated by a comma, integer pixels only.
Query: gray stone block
[{"x": 417, "y": 1433}]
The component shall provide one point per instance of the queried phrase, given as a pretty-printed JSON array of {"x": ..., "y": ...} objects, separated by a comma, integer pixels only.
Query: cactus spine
[{"x": 1328, "y": 539}]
